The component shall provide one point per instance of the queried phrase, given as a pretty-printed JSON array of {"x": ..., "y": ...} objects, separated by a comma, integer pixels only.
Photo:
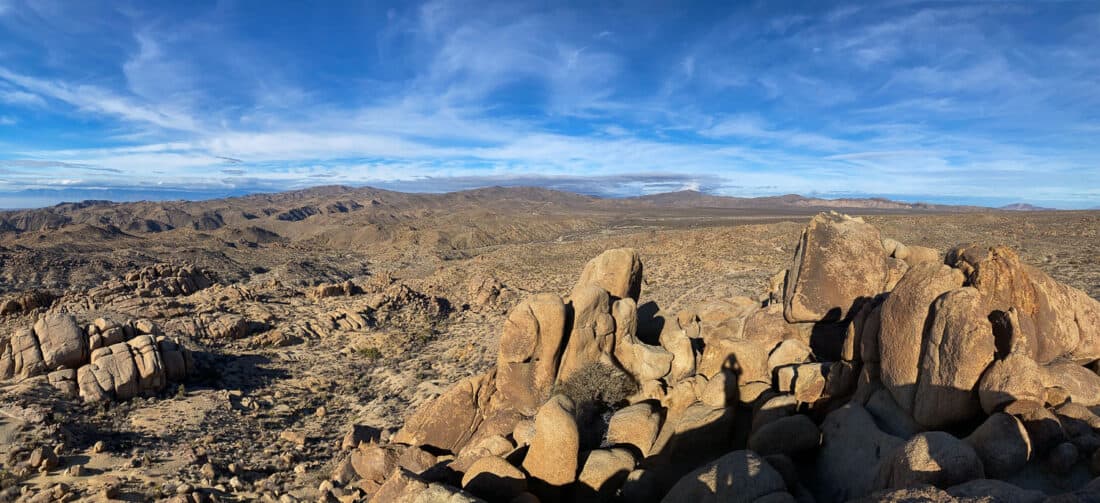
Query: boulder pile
[
  {"x": 102, "y": 361},
  {"x": 872, "y": 370}
]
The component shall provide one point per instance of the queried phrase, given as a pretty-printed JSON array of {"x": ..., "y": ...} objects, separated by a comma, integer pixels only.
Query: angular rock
[
  {"x": 839, "y": 260},
  {"x": 448, "y": 422},
  {"x": 62, "y": 341}
]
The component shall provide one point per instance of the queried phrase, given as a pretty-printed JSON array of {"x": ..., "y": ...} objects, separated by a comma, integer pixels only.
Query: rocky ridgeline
[
  {"x": 872, "y": 370},
  {"x": 103, "y": 361}
]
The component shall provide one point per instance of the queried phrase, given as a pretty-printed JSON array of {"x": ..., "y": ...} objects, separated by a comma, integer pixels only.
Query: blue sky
[{"x": 990, "y": 102}]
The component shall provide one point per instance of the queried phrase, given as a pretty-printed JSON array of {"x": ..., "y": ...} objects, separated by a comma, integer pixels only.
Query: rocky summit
[{"x": 865, "y": 369}]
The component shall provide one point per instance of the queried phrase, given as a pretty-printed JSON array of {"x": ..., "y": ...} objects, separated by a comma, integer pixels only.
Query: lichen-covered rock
[{"x": 839, "y": 260}]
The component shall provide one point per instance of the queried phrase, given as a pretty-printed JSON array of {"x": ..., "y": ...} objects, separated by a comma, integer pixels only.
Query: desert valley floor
[{"x": 316, "y": 320}]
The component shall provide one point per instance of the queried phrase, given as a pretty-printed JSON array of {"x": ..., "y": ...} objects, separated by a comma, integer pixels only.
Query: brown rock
[
  {"x": 852, "y": 447},
  {"x": 643, "y": 361},
  {"x": 405, "y": 487},
  {"x": 675, "y": 340},
  {"x": 839, "y": 260},
  {"x": 747, "y": 359},
  {"x": 902, "y": 329},
  {"x": 788, "y": 352}
]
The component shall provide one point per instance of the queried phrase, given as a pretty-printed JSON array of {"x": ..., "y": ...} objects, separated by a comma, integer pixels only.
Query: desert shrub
[
  {"x": 371, "y": 352},
  {"x": 598, "y": 390}
]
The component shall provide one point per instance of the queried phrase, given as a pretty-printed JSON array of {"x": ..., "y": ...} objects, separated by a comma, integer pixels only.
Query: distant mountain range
[
  {"x": 1024, "y": 207},
  {"x": 375, "y": 204}
]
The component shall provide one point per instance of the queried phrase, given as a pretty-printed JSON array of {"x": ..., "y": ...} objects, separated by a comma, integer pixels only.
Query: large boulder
[
  {"x": 617, "y": 271},
  {"x": 643, "y": 361},
  {"x": 553, "y": 455},
  {"x": 934, "y": 458},
  {"x": 62, "y": 341},
  {"x": 139, "y": 366},
  {"x": 494, "y": 479},
  {"x": 592, "y": 339},
  {"x": 957, "y": 349},
  {"x": 529, "y": 353},
  {"x": 787, "y": 435},
  {"x": 1016, "y": 379},
  {"x": 839, "y": 261},
  {"x": 448, "y": 422},
  {"x": 740, "y": 476},
  {"x": 852, "y": 447},
  {"x": 603, "y": 472},
  {"x": 1082, "y": 384},
  {"x": 1002, "y": 444},
  {"x": 1044, "y": 306},
  {"x": 406, "y": 487},
  {"x": 636, "y": 426},
  {"x": 903, "y": 323}
]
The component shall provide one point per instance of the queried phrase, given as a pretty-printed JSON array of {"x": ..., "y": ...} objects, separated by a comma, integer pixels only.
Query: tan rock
[
  {"x": 449, "y": 421},
  {"x": 553, "y": 455},
  {"x": 405, "y": 487},
  {"x": 934, "y": 458},
  {"x": 604, "y": 471},
  {"x": 1081, "y": 384},
  {"x": 1015, "y": 379},
  {"x": 643, "y": 361},
  {"x": 788, "y": 352},
  {"x": 494, "y": 479},
  {"x": 740, "y": 476},
  {"x": 529, "y": 354},
  {"x": 1002, "y": 444},
  {"x": 636, "y": 425},
  {"x": 747, "y": 359},
  {"x": 839, "y": 260},
  {"x": 676, "y": 341},
  {"x": 920, "y": 254},
  {"x": 62, "y": 341},
  {"x": 617, "y": 271},
  {"x": 592, "y": 338},
  {"x": 902, "y": 329},
  {"x": 787, "y": 435},
  {"x": 957, "y": 349}
]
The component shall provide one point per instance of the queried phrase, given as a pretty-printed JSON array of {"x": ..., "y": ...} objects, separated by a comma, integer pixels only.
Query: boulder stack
[{"x": 885, "y": 370}]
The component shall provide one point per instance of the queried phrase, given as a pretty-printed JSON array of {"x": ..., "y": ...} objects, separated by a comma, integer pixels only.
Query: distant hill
[
  {"x": 384, "y": 207},
  {"x": 1024, "y": 207}
]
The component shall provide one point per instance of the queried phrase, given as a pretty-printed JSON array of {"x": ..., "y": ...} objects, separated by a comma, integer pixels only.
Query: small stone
[
  {"x": 99, "y": 447},
  {"x": 294, "y": 437},
  {"x": 184, "y": 488},
  {"x": 208, "y": 472},
  {"x": 234, "y": 468},
  {"x": 300, "y": 468},
  {"x": 321, "y": 411},
  {"x": 75, "y": 471}
]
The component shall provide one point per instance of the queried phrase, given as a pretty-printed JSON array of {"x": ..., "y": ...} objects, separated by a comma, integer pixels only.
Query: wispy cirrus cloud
[{"x": 911, "y": 100}]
